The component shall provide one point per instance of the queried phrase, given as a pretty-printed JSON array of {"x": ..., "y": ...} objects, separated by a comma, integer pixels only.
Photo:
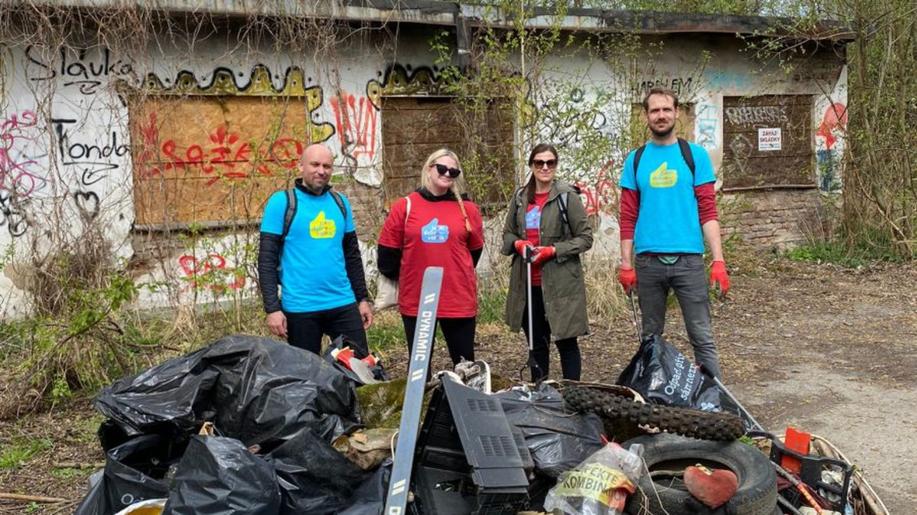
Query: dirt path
[{"x": 827, "y": 350}]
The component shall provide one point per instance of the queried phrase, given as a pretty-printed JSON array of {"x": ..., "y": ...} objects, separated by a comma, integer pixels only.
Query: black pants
[
  {"x": 459, "y": 333},
  {"x": 570, "y": 360},
  {"x": 305, "y": 330}
]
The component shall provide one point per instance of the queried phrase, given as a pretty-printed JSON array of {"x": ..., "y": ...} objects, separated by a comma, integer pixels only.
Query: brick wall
[{"x": 771, "y": 218}]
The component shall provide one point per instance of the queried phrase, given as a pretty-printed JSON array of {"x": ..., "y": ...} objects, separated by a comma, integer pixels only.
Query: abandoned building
[{"x": 159, "y": 132}]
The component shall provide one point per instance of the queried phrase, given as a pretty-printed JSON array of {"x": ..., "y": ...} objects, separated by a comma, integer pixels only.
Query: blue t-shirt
[
  {"x": 313, "y": 276},
  {"x": 668, "y": 220}
]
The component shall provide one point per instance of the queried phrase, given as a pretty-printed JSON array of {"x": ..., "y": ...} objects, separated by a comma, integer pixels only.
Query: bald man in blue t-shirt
[{"x": 317, "y": 264}]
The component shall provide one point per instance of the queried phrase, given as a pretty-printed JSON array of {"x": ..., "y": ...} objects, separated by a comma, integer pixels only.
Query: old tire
[
  {"x": 683, "y": 421},
  {"x": 757, "y": 492}
]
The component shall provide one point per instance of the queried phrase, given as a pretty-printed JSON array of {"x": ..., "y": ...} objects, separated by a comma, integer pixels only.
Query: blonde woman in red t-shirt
[
  {"x": 547, "y": 217},
  {"x": 436, "y": 225}
]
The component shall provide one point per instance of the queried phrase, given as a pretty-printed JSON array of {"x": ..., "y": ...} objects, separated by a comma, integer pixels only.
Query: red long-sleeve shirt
[{"x": 630, "y": 207}]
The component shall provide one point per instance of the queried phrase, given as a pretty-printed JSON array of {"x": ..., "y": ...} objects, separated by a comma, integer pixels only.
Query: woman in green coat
[{"x": 547, "y": 217}]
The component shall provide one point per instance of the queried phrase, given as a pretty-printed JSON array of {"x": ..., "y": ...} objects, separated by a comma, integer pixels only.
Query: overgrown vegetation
[{"x": 86, "y": 333}]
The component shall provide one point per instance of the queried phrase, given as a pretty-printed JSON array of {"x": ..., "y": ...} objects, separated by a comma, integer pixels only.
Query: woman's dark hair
[{"x": 530, "y": 186}]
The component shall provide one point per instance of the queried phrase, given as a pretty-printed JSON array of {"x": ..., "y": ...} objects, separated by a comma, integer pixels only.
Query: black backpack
[
  {"x": 292, "y": 205},
  {"x": 685, "y": 154}
]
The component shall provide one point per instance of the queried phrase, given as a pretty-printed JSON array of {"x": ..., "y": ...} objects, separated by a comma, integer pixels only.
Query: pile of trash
[{"x": 253, "y": 425}]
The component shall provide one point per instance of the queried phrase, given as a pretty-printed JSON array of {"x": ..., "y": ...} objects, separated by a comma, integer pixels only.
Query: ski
[{"x": 400, "y": 482}]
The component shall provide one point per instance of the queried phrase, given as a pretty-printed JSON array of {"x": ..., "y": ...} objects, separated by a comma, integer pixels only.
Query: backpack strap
[
  {"x": 340, "y": 202},
  {"x": 289, "y": 214},
  {"x": 562, "y": 203},
  {"x": 686, "y": 154}
]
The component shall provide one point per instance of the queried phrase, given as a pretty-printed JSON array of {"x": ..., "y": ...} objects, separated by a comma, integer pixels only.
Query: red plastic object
[{"x": 798, "y": 441}]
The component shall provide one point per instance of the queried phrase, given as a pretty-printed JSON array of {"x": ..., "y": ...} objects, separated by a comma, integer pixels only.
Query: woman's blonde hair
[{"x": 458, "y": 183}]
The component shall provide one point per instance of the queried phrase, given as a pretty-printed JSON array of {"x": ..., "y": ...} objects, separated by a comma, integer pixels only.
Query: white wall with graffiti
[{"x": 66, "y": 147}]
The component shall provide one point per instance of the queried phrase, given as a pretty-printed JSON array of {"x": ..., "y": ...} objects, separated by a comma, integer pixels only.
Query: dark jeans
[
  {"x": 459, "y": 334},
  {"x": 305, "y": 330},
  {"x": 689, "y": 281},
  {"x": 570, "y": 360}
]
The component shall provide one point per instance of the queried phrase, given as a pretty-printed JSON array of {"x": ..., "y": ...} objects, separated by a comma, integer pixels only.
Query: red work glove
[
  {"x": 543, "y": 254},
  {"x": 719, "y": 276},
  {"x": 521, "y": 245},
  {"x": 628, "y": 278}
]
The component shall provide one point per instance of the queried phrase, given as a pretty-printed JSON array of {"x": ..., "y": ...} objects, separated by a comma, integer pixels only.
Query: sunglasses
[
  {"x": 539, "y": 163},
  {"x": 444, "y": 170}
]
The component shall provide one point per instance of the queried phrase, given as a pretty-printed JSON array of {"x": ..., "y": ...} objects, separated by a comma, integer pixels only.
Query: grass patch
[
  {"x": 835, "y": 252},
  {"x": 21, "y": 451}
]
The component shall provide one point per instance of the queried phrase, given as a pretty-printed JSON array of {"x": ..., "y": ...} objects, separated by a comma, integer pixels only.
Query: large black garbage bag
[
  {"x": 134, "y": 471},
  {"x": 556, "y": 440},
  {"x": 219, "y": 475},
  {"x": 313, "y": 476},
  {"x": 369, "y": 498},
  {"x": 663, "y": 375},
  {"x": 258, "y": 390}
]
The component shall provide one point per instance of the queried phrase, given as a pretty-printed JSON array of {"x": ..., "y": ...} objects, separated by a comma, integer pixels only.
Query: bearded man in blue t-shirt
[
  {"x": 315, "y": 259},
  {"x": 667, "y": 212}
]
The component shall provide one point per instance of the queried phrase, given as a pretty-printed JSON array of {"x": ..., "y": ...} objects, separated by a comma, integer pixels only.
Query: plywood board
[
  {"x": 750, "y": 161},
  {"x": 206, "y": 159}
]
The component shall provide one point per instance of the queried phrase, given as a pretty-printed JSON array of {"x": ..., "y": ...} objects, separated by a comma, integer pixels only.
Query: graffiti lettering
[
  {"x": 757, "y": 115},
  {"x": 19, "y": 172},
  {"x": 77, "y": 68},
  {"x": 13, "y": 217},
  {"x": 355, "y": 119},
  {"x": 680, "y": 85},
  {"x": 224, "y": 156},
  {"x": 599, "y": 195},
  {"x": 210, "y": 272},
  {"x": 95, "y": 158}
]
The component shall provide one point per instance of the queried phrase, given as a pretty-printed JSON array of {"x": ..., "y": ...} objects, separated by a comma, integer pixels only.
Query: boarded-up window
[
  {"x": 640, "y": 133},
  {"x": 413, "y": 127},
  {"x": 212, "y": 156},
  {"x": 767, "y": 142}
]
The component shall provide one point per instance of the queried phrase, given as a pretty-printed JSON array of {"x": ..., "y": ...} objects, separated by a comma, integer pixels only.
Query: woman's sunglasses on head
[
  {"x": 445, "y": 170},
  {"x": 539, "y": 163}
]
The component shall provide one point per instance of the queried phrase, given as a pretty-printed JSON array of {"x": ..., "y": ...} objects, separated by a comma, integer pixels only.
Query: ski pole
[{"x": 732, "y": 397}]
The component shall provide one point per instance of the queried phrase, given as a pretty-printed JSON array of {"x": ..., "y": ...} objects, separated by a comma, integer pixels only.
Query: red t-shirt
[
  {"x": 434, "y": 235},
  {"x": 533, "y": 229}
]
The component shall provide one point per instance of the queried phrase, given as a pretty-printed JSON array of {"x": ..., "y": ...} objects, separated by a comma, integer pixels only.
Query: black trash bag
[
  {"x": 219, "y": 475},
  {"x": 258, "y": 390},
  {"x": 134, "y": 471},
  {"x": 663, "y": 375},
  {"x": 369, "y": 498},
  {"x": 556, "y": 440},
  {"x": 313, "y": 476}
]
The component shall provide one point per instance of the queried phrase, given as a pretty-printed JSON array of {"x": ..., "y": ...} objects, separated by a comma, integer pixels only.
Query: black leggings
[
  {"x": 459, "y": 333},
  {"x": 570, "y": 360}
]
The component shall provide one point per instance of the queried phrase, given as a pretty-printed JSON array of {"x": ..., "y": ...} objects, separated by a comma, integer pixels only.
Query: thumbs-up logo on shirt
[
  {"x": 533, "y": 218},
  {"x": 663, "y": 177},
  {"x": 322, "y": 228},
  {"x": 434, "y": 233}
]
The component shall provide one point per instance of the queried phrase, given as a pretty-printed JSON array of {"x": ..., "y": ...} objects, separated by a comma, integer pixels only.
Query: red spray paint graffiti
[
  {"x": 206, "y": 272},
  {"x": 355, "y": 118},
  {"x": 601, "y": 194},
  {"x": 224, "y": 156}
]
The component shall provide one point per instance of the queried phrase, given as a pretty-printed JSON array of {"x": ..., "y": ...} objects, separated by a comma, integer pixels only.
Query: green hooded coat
[{"x": 562, "y": 277}]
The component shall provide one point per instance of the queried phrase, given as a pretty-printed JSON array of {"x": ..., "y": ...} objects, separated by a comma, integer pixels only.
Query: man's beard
[{"x": 663, "y": 133}]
